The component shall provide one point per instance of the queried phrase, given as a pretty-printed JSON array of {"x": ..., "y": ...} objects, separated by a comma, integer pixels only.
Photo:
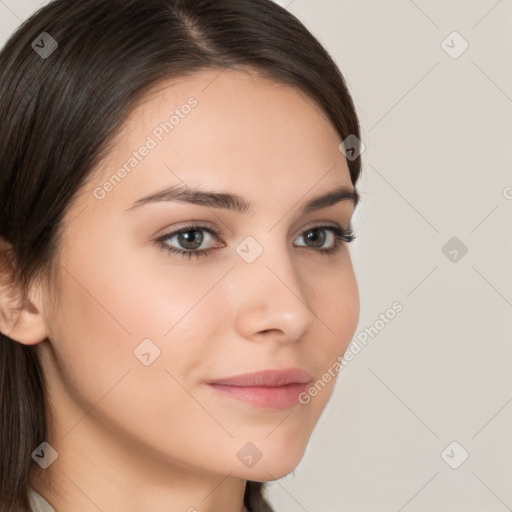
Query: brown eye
[
  {"x": 316, "y": 238},
  {"x": 188, "y": 240}
]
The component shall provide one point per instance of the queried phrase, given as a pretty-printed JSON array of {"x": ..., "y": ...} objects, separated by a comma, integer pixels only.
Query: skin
[{"x": 132, "y": 437}]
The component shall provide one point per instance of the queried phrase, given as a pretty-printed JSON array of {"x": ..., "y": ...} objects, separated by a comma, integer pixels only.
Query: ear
[{"x": 21, "y": 319}]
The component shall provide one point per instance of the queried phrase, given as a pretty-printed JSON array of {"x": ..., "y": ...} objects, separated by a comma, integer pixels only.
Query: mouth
[
  {"x": 269, "y": 389},
  {"x": 268, "y": 397}
]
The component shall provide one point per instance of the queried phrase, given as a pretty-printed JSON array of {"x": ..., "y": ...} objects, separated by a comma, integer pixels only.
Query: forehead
[
  {"x": 225, "y": 89},
  {"x": 226, "y": 127}
]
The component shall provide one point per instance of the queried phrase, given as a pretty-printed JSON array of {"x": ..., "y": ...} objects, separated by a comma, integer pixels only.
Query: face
[{"x": 148, "y": 316}]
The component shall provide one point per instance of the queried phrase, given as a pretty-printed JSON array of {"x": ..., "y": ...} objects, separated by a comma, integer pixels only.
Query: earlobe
[
  {"x": 26, "y": 324},
  {"x": 21, "y": 320}
]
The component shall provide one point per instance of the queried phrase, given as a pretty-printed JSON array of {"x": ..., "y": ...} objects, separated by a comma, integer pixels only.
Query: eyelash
[{"x": 340, "y": 235}]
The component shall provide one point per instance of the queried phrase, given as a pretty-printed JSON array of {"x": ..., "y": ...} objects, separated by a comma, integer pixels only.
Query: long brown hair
[{"x": 60, "y": 110}]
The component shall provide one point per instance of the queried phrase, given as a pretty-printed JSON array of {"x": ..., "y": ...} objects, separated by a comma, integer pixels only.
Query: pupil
[
  {"x": 314, "y": 237},
  {"x": 191, "y": 242}
]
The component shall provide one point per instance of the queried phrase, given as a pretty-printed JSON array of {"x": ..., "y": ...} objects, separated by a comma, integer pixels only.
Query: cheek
[
  {"x": 91, "y": 338},
  {"x": 103, "y": 317},
  {"x": 112, "y": 302},
  {"x": 335, "y": 300}
]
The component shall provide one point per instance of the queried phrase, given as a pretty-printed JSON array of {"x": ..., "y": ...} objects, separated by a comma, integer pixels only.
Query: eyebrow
[{"x": 236, "y": 203}]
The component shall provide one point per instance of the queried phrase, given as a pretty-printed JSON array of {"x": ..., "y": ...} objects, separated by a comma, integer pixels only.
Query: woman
[{"x": 175, "y": 282}]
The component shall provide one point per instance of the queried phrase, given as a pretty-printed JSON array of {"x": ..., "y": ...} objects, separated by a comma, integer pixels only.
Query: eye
[
  {"x": 187, "y": 241},
  {"x": 316, "y": 238}
]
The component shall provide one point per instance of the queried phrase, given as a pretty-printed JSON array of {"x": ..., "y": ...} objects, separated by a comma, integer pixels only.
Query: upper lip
[{"x": 267, "y": 378}]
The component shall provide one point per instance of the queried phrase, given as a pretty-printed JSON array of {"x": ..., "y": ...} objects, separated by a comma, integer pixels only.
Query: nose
[{"x": 270, "y": 298}]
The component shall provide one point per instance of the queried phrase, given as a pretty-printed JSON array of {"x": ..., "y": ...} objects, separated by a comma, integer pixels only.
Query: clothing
[{"x": 38, "y": 503}]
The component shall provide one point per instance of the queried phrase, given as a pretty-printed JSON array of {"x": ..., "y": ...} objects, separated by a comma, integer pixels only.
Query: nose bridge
[{"x": 270, "y": 294}]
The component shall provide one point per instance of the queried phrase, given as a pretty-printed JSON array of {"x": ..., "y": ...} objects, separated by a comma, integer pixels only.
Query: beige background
[{"x": 438, "y": 163}]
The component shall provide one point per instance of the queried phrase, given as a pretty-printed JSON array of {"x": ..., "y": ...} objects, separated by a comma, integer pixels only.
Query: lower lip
[{"x": 267, "y": 397}]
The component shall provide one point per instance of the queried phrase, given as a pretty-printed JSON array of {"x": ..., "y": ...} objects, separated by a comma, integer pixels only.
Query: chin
[{"x": 274, "y": 467}]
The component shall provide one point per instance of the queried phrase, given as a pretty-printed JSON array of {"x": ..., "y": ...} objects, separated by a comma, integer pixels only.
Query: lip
[
  {"x": 267, "y": 378},
  {"x": 270, "y": 389}
]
